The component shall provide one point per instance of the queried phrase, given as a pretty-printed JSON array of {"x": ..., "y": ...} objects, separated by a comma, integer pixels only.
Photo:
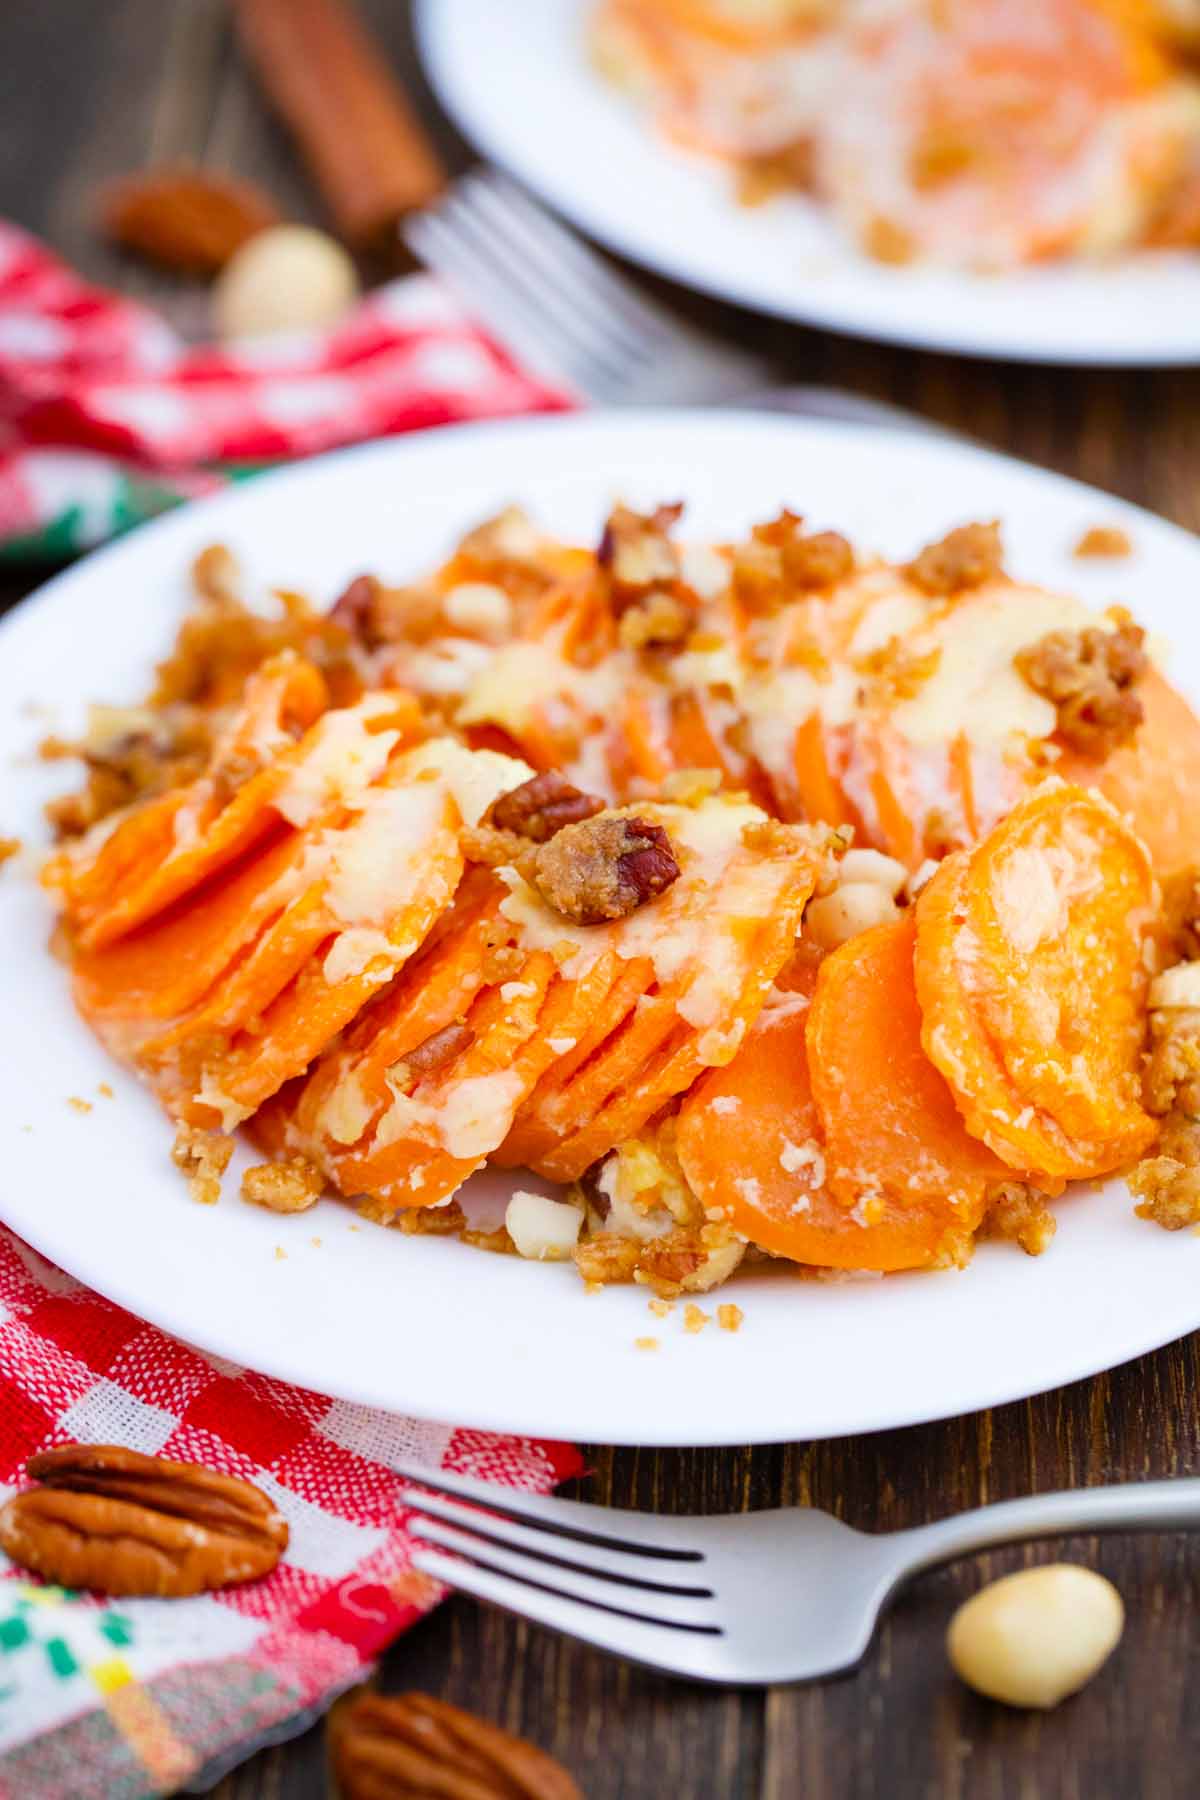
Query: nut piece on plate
[
  {"x": 291, "y": 278},
  {"x": 185, "y": 220},
  {"x": 1032, "y": 1638},
  {"x": 541, "y": 806},
  {"x": 411, "y": 1745},
  {"x": 123, "y": 1523},
  {"x": 603, "y": 868}
]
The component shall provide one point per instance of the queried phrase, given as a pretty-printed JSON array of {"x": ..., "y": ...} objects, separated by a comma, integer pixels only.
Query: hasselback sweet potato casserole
[
  {"x": 765, "y": 899},
  {"x": 986, "y": 134}
]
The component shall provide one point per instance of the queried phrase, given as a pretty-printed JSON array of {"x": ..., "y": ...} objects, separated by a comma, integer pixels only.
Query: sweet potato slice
[
  {"x": 1031, "y": 981},
  {"x": 152, "y": 856},
  {"x": 830, "y": 1138},
  {"x": 1154, "y": 780},
  {"x": 714, "y": 944}
]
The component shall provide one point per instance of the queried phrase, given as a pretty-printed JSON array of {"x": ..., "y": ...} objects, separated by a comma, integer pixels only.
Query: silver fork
[
  {"x": 568, "y": 316},
  {"x": 744, "y": 1599}
]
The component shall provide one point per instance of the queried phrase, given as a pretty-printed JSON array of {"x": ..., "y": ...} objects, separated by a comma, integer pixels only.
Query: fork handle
[{"x": 1133, "y": 1506}]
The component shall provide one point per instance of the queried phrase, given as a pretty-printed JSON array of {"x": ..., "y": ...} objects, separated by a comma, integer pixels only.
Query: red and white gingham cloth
[
  {"x": 139, "y": 1697},
  {"x": 106, "y": 417}
]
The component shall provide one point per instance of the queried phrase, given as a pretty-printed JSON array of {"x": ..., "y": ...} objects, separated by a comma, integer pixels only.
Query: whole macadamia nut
[
  {"x": 290, "y": 278},
  {"x": 1032, "y": 1638}
]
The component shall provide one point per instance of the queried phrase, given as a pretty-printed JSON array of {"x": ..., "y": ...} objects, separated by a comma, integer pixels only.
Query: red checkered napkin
[
  {"x": 106, "y": 418},
  {"x": 139, "y": 1697}
]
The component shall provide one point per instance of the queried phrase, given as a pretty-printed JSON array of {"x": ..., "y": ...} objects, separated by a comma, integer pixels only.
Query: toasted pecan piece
[
  {"x": 603, "y": 868},
  {"x": 541, "y": 806},
  {"x": 122, "y": 1523},
  {"x": 187, "y": 220},
  {"x": 637, "y": 554},
  {"x": 411, "y": 1746}
]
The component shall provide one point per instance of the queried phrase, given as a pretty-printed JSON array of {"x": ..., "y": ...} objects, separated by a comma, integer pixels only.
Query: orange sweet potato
[
  {"x": 831, "y": 1139},
  {"x": 724, "y": 931},
  {"x": 1155, "y": 780},
  {"x": 1031, "y": 982}
]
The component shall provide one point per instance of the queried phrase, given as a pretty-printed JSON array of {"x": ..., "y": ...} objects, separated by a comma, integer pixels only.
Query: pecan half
[
  {"x": 541, "y": 806},
  {"x": 964, "y": 558},
  {"x": 122, "y": 1523},
  {"x": 604, "y": 868},
  {"x": 1089, "y": 676},
  {"x": 375, "y": 615},
  {"x": 410, "y": 1746},
  {"x": 186, "y": 220}
]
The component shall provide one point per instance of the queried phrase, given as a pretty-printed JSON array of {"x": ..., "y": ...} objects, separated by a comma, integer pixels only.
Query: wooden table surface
[{"x": 89, "y": 91}]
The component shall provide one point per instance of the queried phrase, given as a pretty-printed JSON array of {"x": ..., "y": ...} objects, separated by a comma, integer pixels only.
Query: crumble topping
[{"x": 204, "y": 1157}]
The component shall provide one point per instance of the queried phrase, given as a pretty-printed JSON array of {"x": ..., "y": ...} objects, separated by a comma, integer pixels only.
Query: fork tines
[{"x": 538, "y": 1557}]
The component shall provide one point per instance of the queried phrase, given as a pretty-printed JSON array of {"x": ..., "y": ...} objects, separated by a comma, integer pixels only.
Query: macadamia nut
[
  {"x": 542, "y": 1229},
  {"x": 851, "y": 908},
  {"x": 1032, "y": 1638},
  {"x": 290, "y": 278}
]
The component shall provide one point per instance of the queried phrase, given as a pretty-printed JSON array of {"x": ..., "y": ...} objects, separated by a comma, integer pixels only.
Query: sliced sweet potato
[
  {"x": 1031, "y": 981},
  {"x": 830, "y": 1139},
  {"x": 1155, "y": 780},
  {"x": 706, "y": 954}
]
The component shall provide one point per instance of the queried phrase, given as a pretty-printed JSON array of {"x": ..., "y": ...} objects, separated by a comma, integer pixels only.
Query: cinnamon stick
[{"x": 328, "y": 80}]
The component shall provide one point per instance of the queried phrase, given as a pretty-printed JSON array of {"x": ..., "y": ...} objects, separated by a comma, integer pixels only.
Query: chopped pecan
[
  {"x": 354, "y": 606},
  {"x": 541, "y": 806},
  {"x": 122, "y": 1523},
  {"x": 637, "y": 554},
  {"x": 412, "y": 1746},
  {"x": 204, "y": 1157},
  {"x": 186, "y": 220},
  {"x": 1089, "y": 676},
  {"x": 433, "y": 1053},
  {"x": 375, "y": 615},
  {"x": 965, "y": 558},
  {"x": 284, "y": 1187},
  {"x": 603, "y": 868}
]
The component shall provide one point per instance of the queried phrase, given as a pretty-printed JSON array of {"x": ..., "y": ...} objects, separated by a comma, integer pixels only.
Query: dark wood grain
[{"x": 89, "y": 91}]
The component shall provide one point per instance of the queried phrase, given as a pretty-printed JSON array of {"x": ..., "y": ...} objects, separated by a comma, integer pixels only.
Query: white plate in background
[
  {"x": 430, "y": 1326},
  {"x": 517, "y": 80}
]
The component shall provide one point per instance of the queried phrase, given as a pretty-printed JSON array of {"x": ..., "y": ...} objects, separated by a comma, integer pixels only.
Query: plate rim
[
  {"x": 1082, "y": 1364},
  {"x": 433, "y": 39}
]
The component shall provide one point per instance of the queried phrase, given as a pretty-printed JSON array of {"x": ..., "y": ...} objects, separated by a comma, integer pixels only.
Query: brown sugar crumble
[
  {"x": 646, "y": 1343},
  {"x": 104, "y": 1091},
  {"x": 1090, "y": 676},
  {"x": 8, "y": 848},
  {"x": 79, "y": 1105},
  {"x": 729, "y": 1316},
  {"x": 1104, "y": 540},
  {"x": 1019, "y": 1213},
  {"x": 965, "y": 558},
  {"x": 660, "y": 1308},
  {"x": 204, "y": 1157},
  {"x": 603, "y": 868},
  {"x": 695, "y": 1318},
  {"x": 287, "y": 1187}
]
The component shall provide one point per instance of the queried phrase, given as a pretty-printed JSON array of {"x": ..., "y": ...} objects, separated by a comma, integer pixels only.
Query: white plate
[
  {"x": 517, "y": 81},
  {"x": 433, "y": 1327}
]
